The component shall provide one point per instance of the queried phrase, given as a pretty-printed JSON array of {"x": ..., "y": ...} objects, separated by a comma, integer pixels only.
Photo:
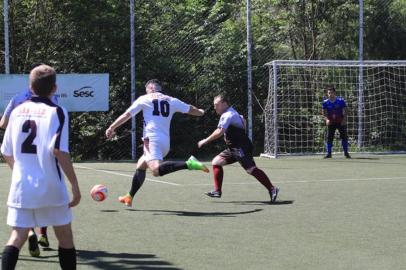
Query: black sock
[
  {"x": 9, "y": 257},
  {"x": 67, "y": 258},
  {"x": 138, "y": 180},
  {"x": 171, "y": 166}
]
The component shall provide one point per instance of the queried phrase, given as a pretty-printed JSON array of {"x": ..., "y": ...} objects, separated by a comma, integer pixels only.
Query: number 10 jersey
[{"x": 158, "y": 110}]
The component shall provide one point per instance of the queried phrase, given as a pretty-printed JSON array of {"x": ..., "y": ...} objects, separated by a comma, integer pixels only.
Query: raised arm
[
  {"x": 118, "y": 122},
  {"x": 195, "y": 111},
  {"x": 219, "y": 132}
]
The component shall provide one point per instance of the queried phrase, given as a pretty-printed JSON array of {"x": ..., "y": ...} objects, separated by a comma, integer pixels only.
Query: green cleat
[
  {"x": 193, "y": 164},
  {"x": 43, "y": 240}
]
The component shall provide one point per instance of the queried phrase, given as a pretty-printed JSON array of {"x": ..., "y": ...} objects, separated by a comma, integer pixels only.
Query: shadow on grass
[
  {"x": 197, "y": 214},
  {"x": 106, "y": 260},
  {"x": 257, "y": 202}
]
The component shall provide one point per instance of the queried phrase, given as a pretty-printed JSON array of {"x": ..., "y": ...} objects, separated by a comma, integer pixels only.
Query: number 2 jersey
[
  {"x": 36, "y": 128},
  {"x": 158, "y": 110}
]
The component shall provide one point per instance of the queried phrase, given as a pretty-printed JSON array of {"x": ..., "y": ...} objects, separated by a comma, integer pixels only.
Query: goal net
[{"x": 375, "y": 93}]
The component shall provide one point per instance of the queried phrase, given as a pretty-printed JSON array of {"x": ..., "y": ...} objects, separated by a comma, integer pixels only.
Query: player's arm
[
  {"x": 325, "y": 114},
  {"x": 4, "y": 121},
  {"x": 9, "y": 160},
  {"x": 67, "y": 167},
  {"x": 219, "y": 132},
  {"x": 118, "y": 122},
  {"x": 345, "y": 113},
  {"x": 195, "y": 111},
  {"x": 6, "y": 114}
]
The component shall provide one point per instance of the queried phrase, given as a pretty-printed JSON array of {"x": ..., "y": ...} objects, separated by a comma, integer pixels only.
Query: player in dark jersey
[
  {"x": 239, "y": 148},
  {"x": 335, "y": 114}
]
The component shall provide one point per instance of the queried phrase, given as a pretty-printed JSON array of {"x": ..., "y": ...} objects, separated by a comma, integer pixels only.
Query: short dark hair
[
  {"x": 330, "y": 88},
  {"x": 223, "y": 98},
  {"x": 156, "y": 82},
  {"x": 42, "y": 80}
]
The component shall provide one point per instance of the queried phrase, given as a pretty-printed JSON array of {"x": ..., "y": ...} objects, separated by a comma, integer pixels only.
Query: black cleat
[
  {"x": 347, "y": 155},
  {"x": 327, "y": 156},
  {"x": 214, "y": 194},
  {"x": 274, "y": 194},
  {"x": 33, "y": 247}
]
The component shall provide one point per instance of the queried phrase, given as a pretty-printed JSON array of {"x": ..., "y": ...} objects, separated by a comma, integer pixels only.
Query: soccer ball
[{"x": 99, "y": 193}]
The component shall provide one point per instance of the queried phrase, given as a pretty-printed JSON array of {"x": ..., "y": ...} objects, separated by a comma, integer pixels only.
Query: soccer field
[{"x": 331, "y": 214}]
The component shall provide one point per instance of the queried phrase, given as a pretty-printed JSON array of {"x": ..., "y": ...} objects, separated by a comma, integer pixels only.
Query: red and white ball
[{"x": 99, "y": 193}]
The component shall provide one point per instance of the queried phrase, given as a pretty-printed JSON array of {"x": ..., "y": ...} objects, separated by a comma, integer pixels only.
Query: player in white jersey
[
  {"x": 13, "y": 103},
  {"x": 158, "y": 110},
  {"x": 35, "y": 146}
]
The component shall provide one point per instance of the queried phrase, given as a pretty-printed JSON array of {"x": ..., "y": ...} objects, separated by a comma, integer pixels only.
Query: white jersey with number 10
[{"x": 158, "y": 110}]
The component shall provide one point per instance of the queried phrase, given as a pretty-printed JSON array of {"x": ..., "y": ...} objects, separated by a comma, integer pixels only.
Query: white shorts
[
  {"x": 155, "y": 149},
  {"x": 40, "y": 217}
]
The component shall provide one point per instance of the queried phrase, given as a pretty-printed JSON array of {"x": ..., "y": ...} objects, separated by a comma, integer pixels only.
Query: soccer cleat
[
  {"x": 274, "y": 194},
  {"x": 193, "y": 164},
  {"x": 33, "y": 247},
  {"x": 43, "y": 240},
  {"x": 214, "y": 194},
  {"x": 347, "y": 155},
  {"x": 126, "y": 199},
  {"x": 327, "y": 156}
]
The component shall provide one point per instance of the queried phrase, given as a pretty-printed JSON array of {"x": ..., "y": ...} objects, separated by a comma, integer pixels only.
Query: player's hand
[
  {"x": 110, "y": 133},
  {"x": 201, "y": 143},
  {"x": 76, "y": 196},
  {"x": 328, "y": 122},
  {"x": 202, "y": 111}
]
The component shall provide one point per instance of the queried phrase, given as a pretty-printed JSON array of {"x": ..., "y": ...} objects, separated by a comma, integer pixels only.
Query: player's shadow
[
  {"x": 106, "y": 260},
  {"x": 279, "y": 202},
  {"x": 198, "y": 214}
]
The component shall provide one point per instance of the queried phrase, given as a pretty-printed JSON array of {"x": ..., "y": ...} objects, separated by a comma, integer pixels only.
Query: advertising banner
[{"x": 75, "y": 92}]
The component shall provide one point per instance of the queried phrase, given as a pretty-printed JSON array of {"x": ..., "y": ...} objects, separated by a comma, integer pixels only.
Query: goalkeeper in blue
[{"x": 335, "y": 113}]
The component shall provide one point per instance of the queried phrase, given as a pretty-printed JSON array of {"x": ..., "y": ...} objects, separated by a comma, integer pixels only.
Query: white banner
[{"x": 76, "y": 92}]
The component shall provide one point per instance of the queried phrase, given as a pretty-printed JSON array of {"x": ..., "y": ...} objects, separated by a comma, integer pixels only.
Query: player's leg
[
  {"x": 245, "y": 158},
  {"x": 158, "y": 149},
  {"x": 330, "y": 137},
  {"x": 137, "y": 182},
  {"x": 218, "y": 162},
  {"x": 342, "y": 129},
  {"x": 66, "y": 249},
  {"x": 11, "y": 251}
]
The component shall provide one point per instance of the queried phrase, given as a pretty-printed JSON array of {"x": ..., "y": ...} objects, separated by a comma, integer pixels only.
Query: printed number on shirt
[
  {"x": 27, "y": 146},
  {"x": 161, "y": 107}
]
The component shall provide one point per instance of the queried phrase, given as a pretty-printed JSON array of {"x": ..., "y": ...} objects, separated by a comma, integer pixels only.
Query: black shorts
[{"x": 241, "y": 154}]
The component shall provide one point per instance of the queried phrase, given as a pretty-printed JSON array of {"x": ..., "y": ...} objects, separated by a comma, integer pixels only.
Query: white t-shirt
[
  {"x": 158, "y": 110},
  {"x": 36, "y": 128}
]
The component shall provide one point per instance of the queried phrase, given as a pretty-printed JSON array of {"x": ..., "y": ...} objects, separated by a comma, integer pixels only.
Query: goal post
[{"x": 375, "y": 93}]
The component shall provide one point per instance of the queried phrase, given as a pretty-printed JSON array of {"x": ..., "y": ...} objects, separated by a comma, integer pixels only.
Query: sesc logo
[{"x": 85, "y": 91}]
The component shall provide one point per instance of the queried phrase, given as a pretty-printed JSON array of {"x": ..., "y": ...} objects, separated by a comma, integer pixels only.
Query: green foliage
[{"x": 197, "y": 48}]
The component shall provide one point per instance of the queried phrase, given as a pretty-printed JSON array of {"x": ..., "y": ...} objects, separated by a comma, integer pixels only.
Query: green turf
[{"x": 331, "y": 214}]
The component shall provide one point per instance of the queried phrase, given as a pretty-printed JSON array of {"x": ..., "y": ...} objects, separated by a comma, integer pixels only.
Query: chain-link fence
[{"x": 196, "y": 48}]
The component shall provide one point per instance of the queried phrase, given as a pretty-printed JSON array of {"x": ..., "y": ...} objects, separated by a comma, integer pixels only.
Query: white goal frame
[{"x": 361, "y": 75}]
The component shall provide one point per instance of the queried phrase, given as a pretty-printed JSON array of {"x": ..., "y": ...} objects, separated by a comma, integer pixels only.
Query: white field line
[
  {"x": 125, "y": 175},
  {"x": 310, "y": 181}
]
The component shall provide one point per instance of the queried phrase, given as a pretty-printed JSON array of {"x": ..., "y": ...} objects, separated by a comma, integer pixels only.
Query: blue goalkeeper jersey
[{"x": 335, "y": 109}]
